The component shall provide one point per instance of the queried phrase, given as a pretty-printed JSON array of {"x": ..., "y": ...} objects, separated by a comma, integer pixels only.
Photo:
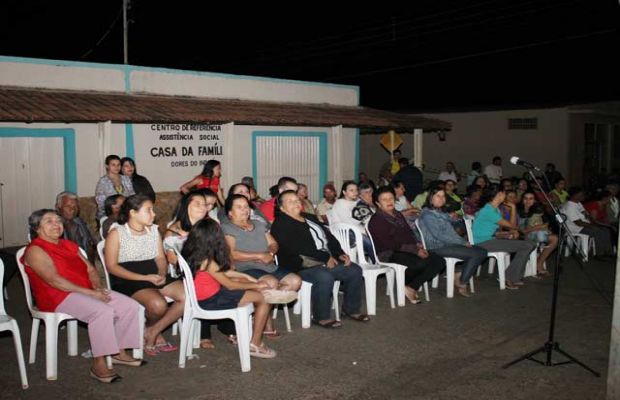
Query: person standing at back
[
  {"x": 494, "y": 171},
  {"x": 411, "y": 177}
]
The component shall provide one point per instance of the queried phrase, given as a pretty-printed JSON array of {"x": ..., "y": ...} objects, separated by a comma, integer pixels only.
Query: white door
[
  {"x": 294, "y": 156},
  {"x": 31, "y": 174}
]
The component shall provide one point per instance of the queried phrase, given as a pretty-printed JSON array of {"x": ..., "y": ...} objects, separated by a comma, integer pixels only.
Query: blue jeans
[
  {"x": 472, "y": 257},
  {"x": 322, "y": 280}
]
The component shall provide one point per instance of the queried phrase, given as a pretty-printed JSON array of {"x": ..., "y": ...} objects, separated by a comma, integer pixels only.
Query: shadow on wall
[{"x": 164, "y": 208}]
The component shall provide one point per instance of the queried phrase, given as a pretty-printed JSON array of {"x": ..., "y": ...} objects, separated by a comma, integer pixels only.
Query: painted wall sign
[{"x": 170, "y": 154}]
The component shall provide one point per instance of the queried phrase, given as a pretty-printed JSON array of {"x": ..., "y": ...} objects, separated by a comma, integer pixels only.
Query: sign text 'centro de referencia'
[{"x": 186, "y": 145}]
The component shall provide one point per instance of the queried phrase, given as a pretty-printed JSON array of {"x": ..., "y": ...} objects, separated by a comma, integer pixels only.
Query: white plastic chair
[
  {"x": 52, "y": 320},
  {"x": 502, "y": 258},
  {"x": 585, "y": 242},
  {"x": 101, "y": 221},
  {"x": 370, "y": 271},
  {"x": 242, "y": 317},
  {"x": 8, "y": 323},
  {"x": 450, "y": 267},
  {"x": 399, "y": 271}
]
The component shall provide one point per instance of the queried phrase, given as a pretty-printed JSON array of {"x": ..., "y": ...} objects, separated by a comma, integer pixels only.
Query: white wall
[
  {"x": 479, "y": 136},
  {"x": 52, "y": 74}
]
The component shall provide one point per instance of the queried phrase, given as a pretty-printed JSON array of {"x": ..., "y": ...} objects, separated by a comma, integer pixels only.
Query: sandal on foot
[
  {"x": 262, "y": 351},
  {"x": 542, "y": 273},
  {"x": 463, "y": 291},
  {"x": 166, "y": 347},
  {"x": 151, "y": 350},
  {"x": 357, "y": 317},
  {"x": 105, "y": 379},
  {"x": 332, "y": 324},
  {"x": 129, "y": 363},
  {"x": 274, "y": 334},
  {"x": 206, "y": 344},
  {"x": 232, "y": 339}
]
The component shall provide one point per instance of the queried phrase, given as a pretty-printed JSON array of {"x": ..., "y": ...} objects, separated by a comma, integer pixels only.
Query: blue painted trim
[
  {"x": 130, "y": 150},
  {"x": 130, "y": 68},
  {"x": 322, "y": 150},
  {"x": 357, "y": 155},
  {"x": 68, "y": 140}
]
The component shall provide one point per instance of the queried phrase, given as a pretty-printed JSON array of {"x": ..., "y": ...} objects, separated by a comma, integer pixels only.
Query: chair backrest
[
  {"x": 342, "y": 232},
  {"x": 470, "y": 233},
  {"x": 106, "y": 274},
  {"x": 2, "y": 310},
  {"x": 417, "y": 225},
  {"x": 101, "y": 221},
  {"x": 24, "y": 275},
  {"x": 372, "y": 244},
  {"x": 188, "y": 283},
  {"x": 330, "y": 216}
]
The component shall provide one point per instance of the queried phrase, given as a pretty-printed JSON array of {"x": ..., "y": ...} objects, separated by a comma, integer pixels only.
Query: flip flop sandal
[
  {"x": 274, "y": 334},
  {"x": 358, "y": 318},
  {"x": 166, "y": 347},
  {"x": 232, "y": 339},
  {"x": 262, "y": 351},
  {"x": 151, "y": 350},
  {"x": 333, "y": 324},
  {"x": 132, "y": 363},
  {"x": 207, "y": 344},
  {"x": 105, "y": 379}
]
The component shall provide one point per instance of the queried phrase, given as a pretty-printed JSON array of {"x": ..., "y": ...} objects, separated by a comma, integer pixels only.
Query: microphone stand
[{"x": 551, "y": 345}]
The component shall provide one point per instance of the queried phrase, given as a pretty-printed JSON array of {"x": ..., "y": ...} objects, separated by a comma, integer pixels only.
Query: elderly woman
[
  {"x": 310, "y": 250},
  {"x": 112, "y": 183},
  {"x": 255, "y": 213},
  {"x": 252, "y": 249},
  {"x": 441, "y": 239},
  {"x": 62, "y": 280},
  {"x": 134, "y": 257},
  {"x": 141, "y": 185},
  {"x": 395, "y": 242}
]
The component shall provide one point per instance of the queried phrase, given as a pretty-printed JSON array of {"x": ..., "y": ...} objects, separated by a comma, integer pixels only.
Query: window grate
[{"x": 522, "y": 123}]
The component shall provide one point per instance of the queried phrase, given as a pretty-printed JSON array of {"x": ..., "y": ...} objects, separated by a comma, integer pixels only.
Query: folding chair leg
[{"x": 51, "y": 350}]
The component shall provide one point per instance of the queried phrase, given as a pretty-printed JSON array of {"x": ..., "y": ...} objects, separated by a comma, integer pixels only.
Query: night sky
[{"x": 434, "y": 55}]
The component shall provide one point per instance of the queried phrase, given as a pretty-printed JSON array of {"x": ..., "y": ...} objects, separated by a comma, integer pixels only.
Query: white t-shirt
[
  {"x": 493, "y": 172},
  {"x": 342, "y": 212},
  {"x": 445, "y": 175},
  {"x": 574, "y": 212},
  {"x": 401, "y": 204}
]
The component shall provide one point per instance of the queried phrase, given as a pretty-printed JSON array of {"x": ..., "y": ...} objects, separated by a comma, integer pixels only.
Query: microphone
[{"x": 517, "y": 161}]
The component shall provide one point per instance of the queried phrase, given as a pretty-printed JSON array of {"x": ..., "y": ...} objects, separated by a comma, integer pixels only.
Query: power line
[
  {"x": 105, "y": 35},
  {"x": 472, "y": 55}
]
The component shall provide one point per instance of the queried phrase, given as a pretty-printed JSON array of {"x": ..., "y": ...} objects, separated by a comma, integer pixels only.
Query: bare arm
[
  {"x": 241, "y": 256},
  {"x": 44, "y": 267},
  {"x": 187, "y": 186},
  {"x": 93, "y": 275},
  {"x": 230, "y": 284}
]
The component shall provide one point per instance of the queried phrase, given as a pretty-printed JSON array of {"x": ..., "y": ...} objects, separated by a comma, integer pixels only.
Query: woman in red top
[
  {"x": 598, "y": 207},
  {"x": 63, "y": 280},
  {"x": 218, "y": 286},
  {"x": 209, "y": 178}
]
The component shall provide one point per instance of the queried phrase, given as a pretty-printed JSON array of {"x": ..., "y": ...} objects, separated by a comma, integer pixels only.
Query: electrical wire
[{"x": 105, "y": 35}]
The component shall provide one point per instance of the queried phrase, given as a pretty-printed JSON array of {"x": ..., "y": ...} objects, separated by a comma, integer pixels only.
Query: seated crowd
[{"x": 245, "y": 250}]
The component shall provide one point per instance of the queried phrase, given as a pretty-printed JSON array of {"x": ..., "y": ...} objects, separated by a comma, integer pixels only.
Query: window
[{"x": 522, "y": 123}]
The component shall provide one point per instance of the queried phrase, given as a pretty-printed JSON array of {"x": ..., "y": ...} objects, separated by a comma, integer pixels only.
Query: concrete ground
[{"x": 444, "y": 349}]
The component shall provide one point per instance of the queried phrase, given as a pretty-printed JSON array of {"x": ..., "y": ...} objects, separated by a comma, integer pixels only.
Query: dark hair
[
  {"x": 345, "y": 185},
  {"x": 228, "y": 204},
  {"x": 473, "y": 188},
  {"x": 284, "y": 180},
  {"x": 109, "y": 202},
  {"x": 281, "y": 197},
  {"x": 231, "y": 190},
  {"x": 207, "y": 170},
  {"x": 449, "y": 180},
  {"x": 505, "y": 180},
  {"x": 329, "y": 186},
  {"x": 573, "y": 190},
  {"x": 248, "y": 181},
  {"x": 130, "y": 161},
  {"x": 558, "y": 181},
  {"x": 489, "y": 194},
  {"x": 535, "y": 209},
  {"x": 600, "y": 195},
  {"x": 396, "y": 183},
  {"x": 364, "y": 186},
  {"x": 273, "y": 191},
  {"x": 434, "y": 184},
  {"x": 182, "y": 214},
  {"x": 497, "y": 158},
  {"x": 206, "y": 242},
  {"x": 112, "y": 157},
  {"x": 206, "y": 192},
  {"x": 403, "y": 161},
  {"x": 134, "y": 203},
  {"x": 380, "y": 191},
  {"x": 429, "y": 199},
  {"x": 476, "y": 165},
  {"x": 34, "y": 220}
]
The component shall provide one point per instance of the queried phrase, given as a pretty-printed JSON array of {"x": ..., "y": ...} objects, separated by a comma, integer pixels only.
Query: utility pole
[{"x": 125, "y": 33}]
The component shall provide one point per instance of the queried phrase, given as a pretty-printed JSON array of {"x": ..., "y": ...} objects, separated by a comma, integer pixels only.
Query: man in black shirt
[{"x": 411, "y": 177}]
